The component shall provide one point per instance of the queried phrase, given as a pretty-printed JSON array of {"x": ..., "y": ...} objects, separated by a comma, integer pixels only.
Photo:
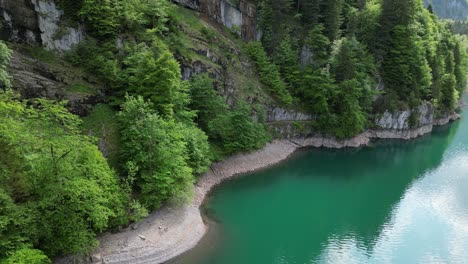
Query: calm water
[{"x": 394, "y": 202}]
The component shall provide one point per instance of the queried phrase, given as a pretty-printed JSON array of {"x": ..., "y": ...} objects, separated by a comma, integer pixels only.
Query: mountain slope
[{"x": 451, "y": 9}]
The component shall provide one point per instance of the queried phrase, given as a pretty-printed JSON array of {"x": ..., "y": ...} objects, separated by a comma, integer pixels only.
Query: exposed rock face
[
  {"x": 286, "y": 124},
  {"x": 19, "y": 21},
  {"x": 34, "y": 79},
  {"x": 37, "y": 22},
  {"x": 240, "y": 16},
  {"x": 49, "y": 24},
  {"x": 277, "y": 114},
  {"x": 400, "y": 120},
  {"x": 306, "y": 56}
]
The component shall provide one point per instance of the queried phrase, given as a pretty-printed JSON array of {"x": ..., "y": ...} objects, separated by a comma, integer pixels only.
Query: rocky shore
[{"x": 170, "y": 232}]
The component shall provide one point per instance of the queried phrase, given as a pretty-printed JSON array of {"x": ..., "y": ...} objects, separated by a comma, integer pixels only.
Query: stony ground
[{"x": 170, "y": 232}]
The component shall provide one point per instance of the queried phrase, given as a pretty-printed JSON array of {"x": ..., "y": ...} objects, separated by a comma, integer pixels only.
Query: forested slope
[{"x": 162, "y": 91}]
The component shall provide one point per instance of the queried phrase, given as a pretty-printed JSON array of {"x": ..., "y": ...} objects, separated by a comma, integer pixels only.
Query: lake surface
[{"x": 393, "y": 202}]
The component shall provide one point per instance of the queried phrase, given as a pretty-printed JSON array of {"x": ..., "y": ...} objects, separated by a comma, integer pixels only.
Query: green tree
[
  {"x": 269, "y": 73},
  {"x": 139, "y": 14},
  {"x": 310, "y": 12},
  {"x": 461, "y": 66},
  {"x": 237, "y": 131},
  {"x": 156, "y": 150},
  {"x": 333, "y": 18},
  {"x": 405, "y": 69},
  {"x": 449, "y": 93},
  {"x": 27, "y": 255},
  {"x": 5, "y": 56},
  {"x": 198, "y": 149},
  {"x": 319, "y": 44},
  {"x": 59, "y": 175},
  {"x": 286, "y": 57},
  {"x": 205, "y": 101},
  {"x": 153, "y": 73},
  {"x": 17, "y": 227},
  {"x": 101, "y": 18},
  {"x": 350, "y": 118}
]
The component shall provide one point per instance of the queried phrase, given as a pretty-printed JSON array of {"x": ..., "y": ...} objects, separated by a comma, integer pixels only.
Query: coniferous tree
[
  {"x": 332, "y": 16},
  {"x": 319, "y": 44},
  {"x": 286, "y": 57}
]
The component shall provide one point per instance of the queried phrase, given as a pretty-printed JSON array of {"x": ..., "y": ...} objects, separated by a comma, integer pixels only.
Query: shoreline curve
[{"x": 169, "y": 232}]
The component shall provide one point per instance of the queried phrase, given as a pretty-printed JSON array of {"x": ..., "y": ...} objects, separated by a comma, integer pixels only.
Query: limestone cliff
[
  {"x": 241, "y": 16},
  {"x": 37, "y": 22},
  {"x": 41, "y": 22}
]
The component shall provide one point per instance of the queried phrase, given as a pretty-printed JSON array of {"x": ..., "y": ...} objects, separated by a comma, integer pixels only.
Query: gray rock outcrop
[
  {"x": 35, "y": 79},
  {"x": 400, "y": 120},
  {"x": 241, "y": 16},
  {"x": 37, "y": 22},
  {"x": 277, "y": 114}
]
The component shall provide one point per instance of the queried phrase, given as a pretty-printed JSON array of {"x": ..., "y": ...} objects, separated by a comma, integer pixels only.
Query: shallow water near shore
[{"x": 393, "y": 202}]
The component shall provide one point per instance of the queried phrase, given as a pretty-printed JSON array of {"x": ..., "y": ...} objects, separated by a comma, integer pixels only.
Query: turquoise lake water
[{"x": 393, "y": 202}]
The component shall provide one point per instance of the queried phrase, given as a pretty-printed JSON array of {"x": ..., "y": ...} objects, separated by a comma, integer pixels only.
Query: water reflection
[
  {"x": 395, "y": 202},
  {"x": 429, "y": 224}
]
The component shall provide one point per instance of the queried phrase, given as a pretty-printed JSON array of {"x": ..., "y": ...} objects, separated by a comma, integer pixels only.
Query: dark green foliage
[
  {"x": 205, "y": 101},
  {"x": 332, "y": 18},
  {"x": 286, "y": 57},
  {"x": 236, "y": 131},
  {"x": 154, "y": 73},
  {"x": 350, "y": 108},
  {"x": 310, "y": 12},
  {"x": 402, "y": 67},
  {"x": 275, "y": 17},
  {"x": 459, "y": 27},
  {"x": 351, "y": 61},
  {"x": 137, "y": 14},
  {"x": 27, "y": 255},
  {"x": 98, "y": 60},
  {"x": 316, "y": 91},
  {"x": 199, "y": 152},
  {"x": 341, "y": 101},
  {"x": 449, "y": 93},
  {"x": 5, "y": 56},
  {"x": 461, "y": 66},
  {"x": 341, "y": 109},
  {"x": 71, "y": 8},
  {"x": 269, "y": 73},
  {"x": 319, "y": 45},
  {"x": 397, "y": 42},
  {"x": 57, "y": 191},
  {"x": 101, "y": 18},
  {"x": 231, "y": 130},
  {"x": 16, "y": 222},
  {"x": 154, "y": 149},
  {"x": 63, "y": 189}
]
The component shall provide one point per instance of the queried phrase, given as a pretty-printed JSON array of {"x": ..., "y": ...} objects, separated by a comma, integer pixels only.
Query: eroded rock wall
[
  {"x": 400, "y": 120},
  {"x": 239, "y": 16},
  {"x": 37, "y": 22}
]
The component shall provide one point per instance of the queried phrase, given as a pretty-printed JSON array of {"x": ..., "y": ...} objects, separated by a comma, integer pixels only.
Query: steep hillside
[
  {"x": 111, "y": 109},
  {"x": 451, "y": 9}
]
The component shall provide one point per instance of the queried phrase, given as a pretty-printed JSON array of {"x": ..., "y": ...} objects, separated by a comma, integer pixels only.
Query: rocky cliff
[
  {"x": 37, "y": 22},
  {"x": 240, "y": 17},
  {"x": 41, "y": 22}
]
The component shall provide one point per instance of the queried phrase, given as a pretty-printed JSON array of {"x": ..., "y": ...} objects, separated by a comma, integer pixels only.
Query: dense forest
[{"x": 342, "y": 61}]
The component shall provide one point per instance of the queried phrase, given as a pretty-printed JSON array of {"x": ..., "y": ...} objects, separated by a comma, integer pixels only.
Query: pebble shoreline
[{"x": 169, "y": 232}]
